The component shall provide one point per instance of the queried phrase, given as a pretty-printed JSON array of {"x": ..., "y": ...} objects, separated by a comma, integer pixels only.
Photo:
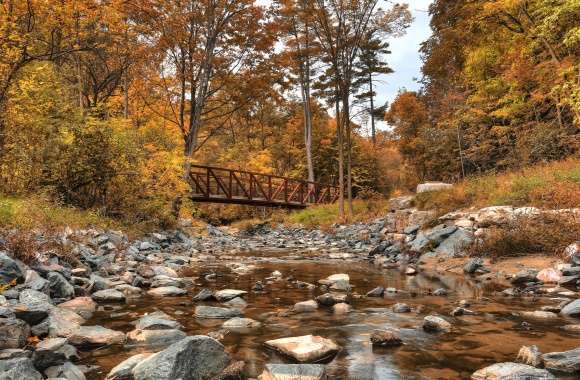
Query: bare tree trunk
[
  {"x": 373, "y": 130},
  {"x": 347, "y": 131},
  {"x": 339, "y": 135},
  {"x": 126, "y": 94}
]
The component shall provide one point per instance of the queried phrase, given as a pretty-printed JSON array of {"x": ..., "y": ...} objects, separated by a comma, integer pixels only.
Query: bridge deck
[{"x": 220, "y": 185}]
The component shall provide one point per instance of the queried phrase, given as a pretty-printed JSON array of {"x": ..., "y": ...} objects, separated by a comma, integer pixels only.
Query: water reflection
[{"x": 492, "y": 335}]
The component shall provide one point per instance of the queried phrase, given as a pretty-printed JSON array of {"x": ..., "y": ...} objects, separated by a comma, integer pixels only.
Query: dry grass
[
  {"x": 27, "y": 246},
  {"x": 553, "y": 185},
  {"x": 548, "y": 234}
]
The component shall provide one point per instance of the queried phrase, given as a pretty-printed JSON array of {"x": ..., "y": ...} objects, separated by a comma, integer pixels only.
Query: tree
[
  {"x": 341, "y": 28},
  {"x": 371, "y": 63},
  {"x": 199, "y": 48}
]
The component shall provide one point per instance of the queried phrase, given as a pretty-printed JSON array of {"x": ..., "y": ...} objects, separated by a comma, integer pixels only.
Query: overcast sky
[{"x": 405, "y": 58}]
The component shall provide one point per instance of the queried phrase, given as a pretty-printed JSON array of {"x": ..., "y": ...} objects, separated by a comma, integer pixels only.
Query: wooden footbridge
[{"x": 221, "y": 185}]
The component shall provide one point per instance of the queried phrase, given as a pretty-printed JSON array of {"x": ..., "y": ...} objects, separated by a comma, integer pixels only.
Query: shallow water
[{"x": 492, "y": 335}]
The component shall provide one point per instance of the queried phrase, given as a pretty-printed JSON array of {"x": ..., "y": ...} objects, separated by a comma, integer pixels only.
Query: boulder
[
  {"x": 211, "y": 312},
  {"x": 473, "y": 265},
  {"x": 305, "y": 349},
  {"x": 566, "y": 361},
  {"x": 35, "y": 282},
  {"x": 49, "y": 353},
  {"x": 400, "y": 203},
  {"x": 9, "y": 269},
  {"x": 153, "y": 338},
  {"x": 379, "y": 291},
  {"x": 228, "y": 294},
  {"x": 385, "y": 338},
  {"x": 433, "y": 323},
  {"x": 341, "y": 308},
  {"x": 293, "y": 372},
  {"x": 511, "y": 371},
  {"x": 124, "y": 370},
  {"x": 164, "y": 271},
  {"x": 549, "y": 276},
  {"x": 538, "y": 314},
  {"x": 455, "y": 244},
  {"x": 193, "y": 358},
  {"x": 241, "y": 323},
  {"x": 433, "y": 186},
  {"x": 59, "y": 286},
  {"x": 401, "y": 308},
  {"x": 167, "y": 291},
  {"x": 305, "y": 306},
  {"x": 83, "y": 306},
  {"x": 13, "y": 333},
  {"x": 33, "y": 306},
  {"x": 18, "y": 369},
  {"x": 96, "y": 336},
  {"x": 108, "y": 295},
  {"x": 63, "y": 322},
  {"x": 330, "y": 299},
  {"x": 572, "y": 309},
  {"x": 153, "y": 322},
  {"x": 67, "y": 371},
  {"x": 203, "y": 295}
]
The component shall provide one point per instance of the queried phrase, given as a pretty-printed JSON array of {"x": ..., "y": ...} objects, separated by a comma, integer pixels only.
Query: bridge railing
[{"x": 213, "y": 184}]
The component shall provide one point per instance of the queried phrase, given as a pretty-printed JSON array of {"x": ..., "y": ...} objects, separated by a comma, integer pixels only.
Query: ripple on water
[{"x": 493, "y": 335}]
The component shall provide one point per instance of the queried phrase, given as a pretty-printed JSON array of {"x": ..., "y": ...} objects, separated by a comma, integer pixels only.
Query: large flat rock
[
  {"x": 228, "y": 294},
  {"x": 305, "y": 349},
  {"x": 96, "y": 336},
  {"x": 211, "y": 312}
]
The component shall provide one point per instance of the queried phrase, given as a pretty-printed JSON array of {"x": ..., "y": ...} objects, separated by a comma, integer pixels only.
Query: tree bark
[
  {"x": 339, "y": 135},
  {"x": 372, "y": 113}
]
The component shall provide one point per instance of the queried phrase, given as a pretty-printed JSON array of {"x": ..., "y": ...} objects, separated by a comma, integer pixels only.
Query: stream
[{"x": 493, "y": 334}]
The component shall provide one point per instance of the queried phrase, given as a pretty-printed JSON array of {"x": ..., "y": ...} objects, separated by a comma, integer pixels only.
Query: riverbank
[{"x": 96, "y": 304}]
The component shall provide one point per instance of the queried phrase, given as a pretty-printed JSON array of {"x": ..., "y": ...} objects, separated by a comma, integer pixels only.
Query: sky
[{"x": 404, "y": 59}]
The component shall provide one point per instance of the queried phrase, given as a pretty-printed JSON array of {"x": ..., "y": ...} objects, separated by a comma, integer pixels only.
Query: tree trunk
[
  {"x": 126, "y": 94},
  {"x": 373, "y": 130},
  {"x": 347, "y": 131},
  {"x": 339, "y": 135}
]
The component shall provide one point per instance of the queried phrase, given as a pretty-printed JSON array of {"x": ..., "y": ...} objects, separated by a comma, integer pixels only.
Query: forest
[{"x": 105, "y": 104}]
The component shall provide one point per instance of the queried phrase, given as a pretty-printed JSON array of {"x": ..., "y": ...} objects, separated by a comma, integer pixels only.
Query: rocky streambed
[{"x": 287, "y": 303}]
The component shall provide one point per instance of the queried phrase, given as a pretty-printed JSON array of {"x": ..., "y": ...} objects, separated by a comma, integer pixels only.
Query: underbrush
[
  {"x": 38, "y": 213},
  {"x": 553, "y": 185},
  {"x": 549, "y": 234},
  {"x": 325, "y": 215}
]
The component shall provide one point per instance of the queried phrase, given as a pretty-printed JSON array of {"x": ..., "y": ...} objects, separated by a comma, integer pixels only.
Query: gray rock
[
  {"x": 473, "y": 265},
  {"x": 511, "y": 371},
  {"x": 33, "y": 306},
  {"x": 99, "y": 283},
  {"x": 35, "y": 282},
  {"x": 400, "y": 203},
  {"x": 432, "y": 323},
  {"x": 95, "y": 336},
  {"x": 211, "y": 312},
  {"x": 67, "y": 371},
  {"x": 523, "y": 277},
  {"x": 330, "y": 299},
  {"x": 203, "y": 295},
  {"x": 401, "y": 308},
  {"x": 572, "y": 309},
  {"x": 124, "y": 370},
  {"x": 59, "y": 286},
  {"x": 48, "y": 353},
  {"x": 108, "y": 295},
  {"x": 228, "y": 294},
  {"x": 13, "y": 333},
  {"x": 18, "y": 369},
  {"x": 293, "y": 372},
  {"x": 167, "y": 291},
  {"x": 433, "y": 186},
  {"x": 149, "y": 322},
  {"x": 455, "y": 244},
  {"x": 440, "y": 292},
  {"x": 193, "y": 358},
  {"x": 154, "y": 338},
  {"x": 9, "y": 269},
  {"x": 566, "y": 361},
  {"x": 241, "y": 323},
  {"x": 385, "y": 338}
]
